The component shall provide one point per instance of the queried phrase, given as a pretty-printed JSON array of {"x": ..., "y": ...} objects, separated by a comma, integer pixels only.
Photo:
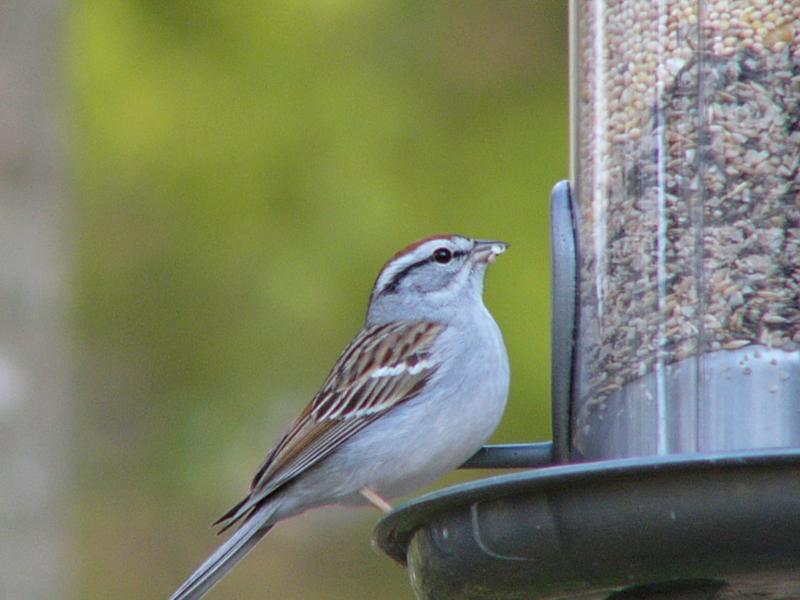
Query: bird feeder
[{"x": 674, "y": 470}]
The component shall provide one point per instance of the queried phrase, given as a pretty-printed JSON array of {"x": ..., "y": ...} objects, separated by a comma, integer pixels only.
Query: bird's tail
[{"x": 224, "y": 558}]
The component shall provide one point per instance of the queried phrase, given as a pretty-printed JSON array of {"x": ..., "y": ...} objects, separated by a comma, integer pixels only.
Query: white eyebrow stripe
[
  {"x": 391, "y": 272},
  {"x": 401, "y": 263},
  {"x": 401, "y": 368}
]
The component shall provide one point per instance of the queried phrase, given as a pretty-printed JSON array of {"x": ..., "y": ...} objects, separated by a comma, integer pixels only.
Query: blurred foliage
[{"x": 241, "y": 172}]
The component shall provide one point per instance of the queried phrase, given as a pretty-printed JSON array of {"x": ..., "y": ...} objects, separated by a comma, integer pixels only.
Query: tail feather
[
  {"x": 233, "y": 516},
  {"x": 224, "y": 558}
]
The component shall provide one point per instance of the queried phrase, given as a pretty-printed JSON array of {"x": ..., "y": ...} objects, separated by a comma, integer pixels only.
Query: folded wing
[{"x": 382, "y": 367}]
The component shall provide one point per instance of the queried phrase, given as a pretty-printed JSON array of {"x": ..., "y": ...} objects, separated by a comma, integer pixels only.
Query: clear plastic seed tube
[{"x": 686, "y": 166}]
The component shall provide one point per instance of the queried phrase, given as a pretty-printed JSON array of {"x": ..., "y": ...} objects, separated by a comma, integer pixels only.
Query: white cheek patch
[{"x": 401, "y": 368}]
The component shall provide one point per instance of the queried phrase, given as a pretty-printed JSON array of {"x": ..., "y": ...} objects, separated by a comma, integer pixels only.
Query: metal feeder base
[{"x": 697, "y": 526}]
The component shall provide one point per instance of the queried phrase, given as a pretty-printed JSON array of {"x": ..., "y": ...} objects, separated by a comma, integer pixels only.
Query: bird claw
[{"x": 376, "y": 499}]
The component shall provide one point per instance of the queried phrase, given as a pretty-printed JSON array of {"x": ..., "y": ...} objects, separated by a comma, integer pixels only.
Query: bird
[{"x": 421, "y": 387}]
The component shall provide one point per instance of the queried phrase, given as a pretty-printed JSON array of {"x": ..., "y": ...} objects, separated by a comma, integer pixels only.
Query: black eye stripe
[
  {"x": 392, "y": 286},
  {"x": 432, "y": 258}
]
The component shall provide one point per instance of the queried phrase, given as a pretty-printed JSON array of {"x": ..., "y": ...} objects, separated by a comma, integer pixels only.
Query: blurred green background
[{"x": 239, "y": 174}]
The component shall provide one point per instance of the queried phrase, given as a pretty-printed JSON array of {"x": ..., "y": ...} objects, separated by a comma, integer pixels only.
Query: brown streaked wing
[{"x": 349, "y": 400}]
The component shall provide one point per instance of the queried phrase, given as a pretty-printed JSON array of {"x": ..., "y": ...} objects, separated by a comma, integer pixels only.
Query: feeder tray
[{"x": 699, "y": 526}]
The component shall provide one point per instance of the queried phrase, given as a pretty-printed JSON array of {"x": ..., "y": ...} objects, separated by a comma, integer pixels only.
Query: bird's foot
[{"x": 376, "y": 499}]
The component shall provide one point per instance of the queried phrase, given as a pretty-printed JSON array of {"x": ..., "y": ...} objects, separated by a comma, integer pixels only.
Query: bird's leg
[{"x": 376, "y": 499}]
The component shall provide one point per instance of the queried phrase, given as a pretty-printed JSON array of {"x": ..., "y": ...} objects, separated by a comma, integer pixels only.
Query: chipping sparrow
[{"x": 421, "y": 387}]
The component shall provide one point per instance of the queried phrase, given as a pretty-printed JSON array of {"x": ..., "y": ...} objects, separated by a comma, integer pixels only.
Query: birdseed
[{"x": 686, "y": 165}]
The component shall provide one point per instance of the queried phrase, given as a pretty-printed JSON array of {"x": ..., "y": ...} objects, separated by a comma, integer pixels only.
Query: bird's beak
[{"x": 487, "y": 250}]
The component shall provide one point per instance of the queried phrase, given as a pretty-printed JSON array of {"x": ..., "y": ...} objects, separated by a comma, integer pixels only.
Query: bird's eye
[{"x": 442, "y": 256}]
